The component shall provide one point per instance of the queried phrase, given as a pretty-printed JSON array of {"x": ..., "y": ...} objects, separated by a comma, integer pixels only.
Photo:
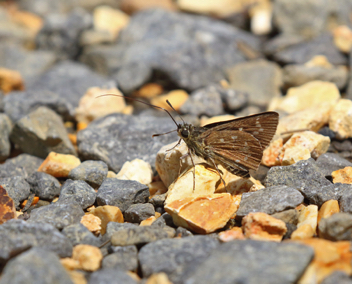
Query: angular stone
[
  {"x": 304, "y": 176},
  {"x": 136, "y": 213},
  {"x": 236, "y": 262},
  {"x": 203, "y": 214},
  {"x": 125, "y": 258},
  {"x": 17, "y": 188},
  {"x": 337, "y": 277},
  {"x": 233, "y": 234},
  {"x": 122, "y": 193},
  {"x": 59, "y": 165},
  {"x": 40, "y": 132},
  {"x": 79, "y": 191},
  {"x": 79, "y": 234},
  {"x": 289, "y": 216},
  {"x": 5, "y": 130},
  {"x": 330, "y": 162},
  {"x": 303, "y": 232},
  {"x": 176, "y": 257},
  {"x": 141, "y": 235},
  {"x": 271, "y": 153},
  {"x": 263, "y": 227},
  {"x": 37, "y": 265},
  {"x": 336, "y": 227},
  {"x": 340, "y": 119},
  {"x": 329, "y": 208},
  {"x": 337, "y": 191},
  {"x": 137, "y": 170},
  {"x": 269, "y": 200},
  {"x": 22, "y": 165},
  {"x": 92, "y": 172},
  {"x": 176, "y": 97},
  {"x": 18, "y": 235},
  {"x": 107, "y": 214},
  {"x": 59, "y": 214},
  {"x": 92, "y": 223},
  {"x": 342, "y": 175},
  {"x": 113, "y": 227},
  {"x": 43, "y": 185},
  {"x": 308, "y": 216}
]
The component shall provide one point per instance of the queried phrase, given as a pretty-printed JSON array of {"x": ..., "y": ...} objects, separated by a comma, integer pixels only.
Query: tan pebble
[
  {"x": 329, "y": 208},
  {"x": 219, "y": 118},
  {"x": 312, "y": 118},
  {"x": 156, "y": 188},
  {"x": 128, "y": 110},
  {"x": 92, "y": 223},
  {"x": 59, "y": 165},
  {"x": 328, "y": 257},
  {"x": 167, "y": 162},
  {"x": 294, "y": 154},
  {"x": 319, "y": 61},
  {"x": 81, "y": 125},
  {"x": 90, "y": 208},
  {"x": 10, "y": 80},
  {"x": 73, "y": 138},
  {"x": 205, "y": 183},
  {"x": 234, "y": 234},
  {"x": 107, "y": 213},
  {"x": 271, "y": 153},
  {"x": 157, "y": 215},
  {"x": 261, "y": 226},
  {"x": 308, "y": 95},
  {"x": 261, "y": 18},
  {"x": 77, "y": 277},
  {"x": 133, "y": 6},
  {"x": 150, "y": 90},
  {"x": 342, "y": 176},
  {"x": 303, "y": 232},
  {"x": 70, "y": 263},
  {"x": 137, "y": 170},
  {"x": 111, "y": 174},
  {"x": 109, "y": 19},
  {"x": 343, "y": 38},
  {"x": 89, "y": 257},
  {"x": 34, "y": 202},
  {"x": 308, "y": 215},
  {"x": 220, "y": 8},
  {"x": 176, "y": 97},
  {"x": 203, "y": 214},
  {"x": 91, "y": 106},
  {"x": 340, "y": 120},
  {"x": 134, "y": 276},
  {"x": 158, "y": 278},
  {"x": 148, "y": 222}
]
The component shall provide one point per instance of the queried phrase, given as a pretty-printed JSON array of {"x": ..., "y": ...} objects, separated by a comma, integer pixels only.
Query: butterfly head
[{"x": 184, "y": 130}]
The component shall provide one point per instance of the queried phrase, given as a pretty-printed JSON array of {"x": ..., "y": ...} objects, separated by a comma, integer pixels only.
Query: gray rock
[
  {"x": 48, "y": 91},
  {"x": 345, "y": 200},
  {"x": 79, "y": 234},
  {"x": 212, "y": 45},
  {"x": 58, "y": 214},
  {"x": 19, "y": 235},
  {"x": 296, "y": 17},
  {"x": 35, "y": 266},
  {"x": 17, "y": 188},
  {"x": 244, "y": 262},
  {"x": 141, "y": 235},
  {"x": 326, "y": 131},
  {"x": 41, "y": 132},
  {"x": 22, "y": 165},
  {"x": 333, "y": 191},
  {"x": 98, "y": 141},
  {"x": 5, "y": 130},
  {"x": 269, "y": 200},
  {"x": 164, "y": 220},
  {"x": 288, "y": 216},
  {"x": 204, "y": 101},
  {"x": 281, "y": 42},
  {"x": 79, "y": 191},
  {"x": 296, "y": 75},
  {"x": 339, "y": 277},
  {"x": 124, "y": 258},
  {"x": 183, "y": 233},
  {"x": 122, "y": 193},
  {"x": 44, "y": 185},
  {"x": 290, "y": 229},
  {"x": 261, "y": 79},
  {"x": 330, "y": 162},
  {"x": 60, "y": 32},
  {"x": 110, "y": 276},
  {"x": 303, "y": 175},
  {"x": 113, "y": 227},
  {"x": 337, "y": 227},
  {"x": 92, "y": 172},
  {"x": 349, "y": 88},
  {"x": 2, "y": 96},
  {"x": 176, "y": 256},
  {"x": 233, "y": 99},
  {"x": 136, "y": 213},
  {"x": 31, "y": 64},
  {"x": 304, "y": 51},
  {"x": 158, "y": 200}
]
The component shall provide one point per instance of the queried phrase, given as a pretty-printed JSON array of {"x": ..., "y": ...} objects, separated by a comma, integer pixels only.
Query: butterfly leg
[
  {"x": 194, "y": 171},
  {"x": 178, "y": 143},
  {"x": 181, "y": 158},
  {"x": 217, "y": 169}
]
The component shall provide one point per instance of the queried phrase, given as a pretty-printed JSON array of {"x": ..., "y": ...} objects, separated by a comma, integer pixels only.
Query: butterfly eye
[{"x": 184, "y": 133}]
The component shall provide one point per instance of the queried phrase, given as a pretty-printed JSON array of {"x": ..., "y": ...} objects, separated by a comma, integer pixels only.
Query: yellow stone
[
  {"x": 309, "y": 95},
  {"x": 106, "y": 214},
  {"x": 303, "y": 232},
  {"x": 59, "y": 165},
  {"x": 89, "y": 257},
  {"x": 343, "y": 38},
  {"x": 158, "y": 278},
  {"x": 156, "y": 188},
  {"x": 92, "y": 223},
  {"x": 220, "y": 8},
  {"x": 294, "y": 154},
  {"x": 150, "y": 90},
  {"x": 329, "y": 208},
  {"x": 176, "y": 97},
  {"x": 271, "y": 153},
  {"x": 137, "y": 170},
  {"x": 340, "y": 119},
  {"x": 148, "y": 222},
  {"x": 233, "y": 234},
  {"x": 261, "y": 226},
  {"x": 308, "y": 215},
  {"x": 77, "y": 277},
  {"x": 342, "y": 176},
  {"x": 202, "y": 214},
  {"x": 206, "y": 179},
  {"x": 319, "y": 61},
  {"x": 70, "y": 263}
]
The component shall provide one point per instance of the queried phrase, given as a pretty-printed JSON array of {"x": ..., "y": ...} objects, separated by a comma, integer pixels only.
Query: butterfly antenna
[
  {"x": 133, "y": 99},
  {"x": 175, "y": 111},
  {"x": 154, "y": 135}
]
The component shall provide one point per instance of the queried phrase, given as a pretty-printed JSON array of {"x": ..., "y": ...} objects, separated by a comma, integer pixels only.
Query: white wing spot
[
  {"x": 222, "y": 140},
  {"x": 261, "y": 129},
  {"x": 245, "y": 144},
  {"x": 234, "y": 137},
  {"x": 255, "y": 132},
  {"x": 240, "y": 129},
  {"x": 237, "y": 161}
]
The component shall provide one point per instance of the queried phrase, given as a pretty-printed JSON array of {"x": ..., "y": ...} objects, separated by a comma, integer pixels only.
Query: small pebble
[
  {"x": 89, "y": 257},
  {"x": 92, "y": 172},
  {"x": 107, "y": 214},
  {"x": 136, "y": 213}
]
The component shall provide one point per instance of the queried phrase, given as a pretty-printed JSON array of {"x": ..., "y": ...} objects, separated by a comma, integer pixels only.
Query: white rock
[{"x": 138, "y": 170}]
